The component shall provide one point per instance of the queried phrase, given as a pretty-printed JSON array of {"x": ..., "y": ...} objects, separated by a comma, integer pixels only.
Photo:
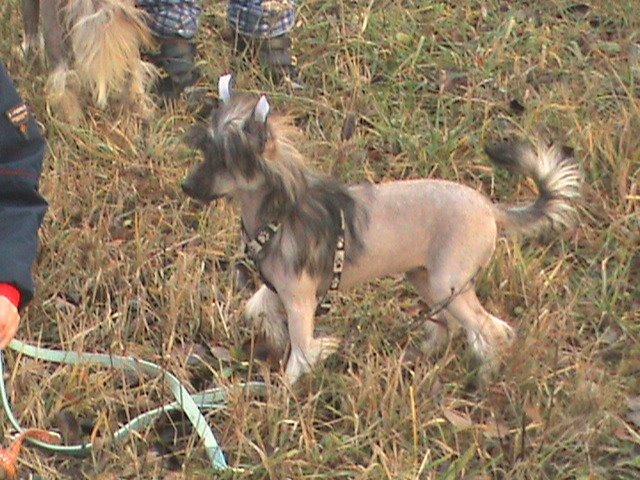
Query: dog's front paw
[
  {"x": 297, "y": 365},
  {"x": 302, "y": 361},
  {"x": 265, "y": 312},
  {"x": 323, "y": 347}
]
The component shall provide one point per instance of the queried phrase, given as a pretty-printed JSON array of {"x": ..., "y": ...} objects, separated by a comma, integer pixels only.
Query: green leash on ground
[{"x": 215, "y": 398}]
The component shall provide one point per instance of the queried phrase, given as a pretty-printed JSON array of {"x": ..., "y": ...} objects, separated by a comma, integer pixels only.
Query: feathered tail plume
[
  {"x": 106, "y": 38},
  {"x": 558, "y": 179}
]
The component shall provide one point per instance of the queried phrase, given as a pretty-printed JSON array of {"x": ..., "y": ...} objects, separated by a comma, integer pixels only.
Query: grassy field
[{"x": 130, "y": 266}]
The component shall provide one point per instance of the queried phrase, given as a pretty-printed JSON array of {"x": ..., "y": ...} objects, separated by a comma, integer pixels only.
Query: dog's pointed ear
[
  {"x": 261, "y": 110},
  {"x": 225, "y": 87},
  {"x": 198, "y": 137},
  {"x": 256, "y": 125}
]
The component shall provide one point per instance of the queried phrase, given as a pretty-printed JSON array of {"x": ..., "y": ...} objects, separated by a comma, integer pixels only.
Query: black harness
[{"x": 254, "y": 253}]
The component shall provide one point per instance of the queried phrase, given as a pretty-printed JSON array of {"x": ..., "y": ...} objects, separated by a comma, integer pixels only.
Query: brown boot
[
  {"x": 177, "y": 59},
  {"x": 274, "y": 55}
]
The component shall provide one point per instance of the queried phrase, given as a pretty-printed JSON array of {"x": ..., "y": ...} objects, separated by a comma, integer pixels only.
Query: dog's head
[{"x": 233, "y": 142}]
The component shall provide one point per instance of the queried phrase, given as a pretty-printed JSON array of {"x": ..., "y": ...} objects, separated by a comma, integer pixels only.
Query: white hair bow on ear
[
  {"x": 225, "y": 87},
  {"x": 261, "y": 112}
]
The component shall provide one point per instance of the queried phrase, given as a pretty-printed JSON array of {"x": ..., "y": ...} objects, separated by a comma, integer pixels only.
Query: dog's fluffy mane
[{"x": 306, "y": 203}]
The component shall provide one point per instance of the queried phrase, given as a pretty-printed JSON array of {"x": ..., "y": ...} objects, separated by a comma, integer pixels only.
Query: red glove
[
  {"x": 11, "y": 292},
  {"x": 9, "y": 315}
]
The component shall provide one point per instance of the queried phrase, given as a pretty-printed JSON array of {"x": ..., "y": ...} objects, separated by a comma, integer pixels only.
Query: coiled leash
[{"x": 215, "y": 398}]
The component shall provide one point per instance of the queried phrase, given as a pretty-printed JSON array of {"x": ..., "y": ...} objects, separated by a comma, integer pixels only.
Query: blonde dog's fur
[
  {"x": 93, "y": 46},
  {"x": 439, "y": 233}
]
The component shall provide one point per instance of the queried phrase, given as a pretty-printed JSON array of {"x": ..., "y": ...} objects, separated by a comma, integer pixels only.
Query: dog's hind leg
[
  {"x": 62, "y": 86},
  {"x": 32, "y": 41},
  {"x": 442, "y": 325},
  {"x": 488, "y": 335},
  {"x": 306, "y": 351},
  {"x": 53, "y": 32},
  {"x": 142, "y": 75}
]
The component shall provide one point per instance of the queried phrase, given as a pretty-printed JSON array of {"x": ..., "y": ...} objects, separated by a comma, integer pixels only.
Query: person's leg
[
  {"x": 266, "y": 26},
  {"x": 174, "y": 23}
]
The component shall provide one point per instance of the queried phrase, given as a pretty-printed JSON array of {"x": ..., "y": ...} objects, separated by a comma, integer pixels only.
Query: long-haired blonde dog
[
  {"x": 94, "y": 46},
  {"x": 439, "y": 233}
]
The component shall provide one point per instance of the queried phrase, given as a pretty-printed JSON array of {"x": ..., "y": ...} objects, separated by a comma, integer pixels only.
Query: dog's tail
[
  {"x": 106, "y": 37},
  {"x": 557, "y": 177}
]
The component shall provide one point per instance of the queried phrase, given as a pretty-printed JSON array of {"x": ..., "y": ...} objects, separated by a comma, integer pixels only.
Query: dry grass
[{"x": 128, "y": 265}]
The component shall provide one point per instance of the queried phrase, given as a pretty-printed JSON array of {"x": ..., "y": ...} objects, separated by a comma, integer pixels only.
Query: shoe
[
  {"x": 276, "y": 58},
  {"x": 177, "y": 59},
  {"x": 274, "y": 55}
]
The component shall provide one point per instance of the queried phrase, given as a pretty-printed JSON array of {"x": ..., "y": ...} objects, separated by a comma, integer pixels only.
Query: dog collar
[{"x": 254, "y": 247}]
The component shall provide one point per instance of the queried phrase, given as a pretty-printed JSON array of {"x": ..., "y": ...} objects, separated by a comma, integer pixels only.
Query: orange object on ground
[{"x": 9, "y": 456}]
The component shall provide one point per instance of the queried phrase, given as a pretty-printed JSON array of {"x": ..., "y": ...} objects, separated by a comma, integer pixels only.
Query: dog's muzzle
[{"x": 192, "y": 191}]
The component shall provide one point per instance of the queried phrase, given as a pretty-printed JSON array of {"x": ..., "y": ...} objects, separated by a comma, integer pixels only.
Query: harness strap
[
  {"x": 253, "y": 248},
  {"x": 327, "y": 304}
]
